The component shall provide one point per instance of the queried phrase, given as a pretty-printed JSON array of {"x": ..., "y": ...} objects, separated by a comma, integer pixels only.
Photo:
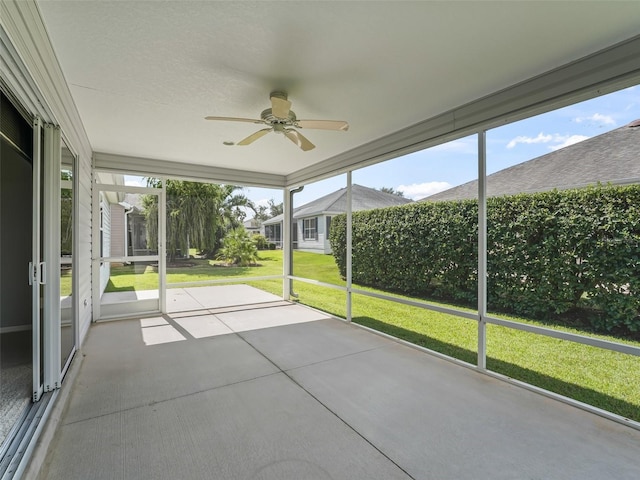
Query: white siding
[
  {"x": 105, "y": 229},
  {"x": 117, "y": 230},
  {"x": 83, "y": 245}
]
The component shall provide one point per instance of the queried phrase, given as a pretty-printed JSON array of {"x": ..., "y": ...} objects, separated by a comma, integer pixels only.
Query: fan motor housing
[{"x": 268, "y": 116}]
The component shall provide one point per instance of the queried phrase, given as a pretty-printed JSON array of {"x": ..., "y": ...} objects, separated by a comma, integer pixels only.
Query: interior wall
[{"x": 15, "y": 238}]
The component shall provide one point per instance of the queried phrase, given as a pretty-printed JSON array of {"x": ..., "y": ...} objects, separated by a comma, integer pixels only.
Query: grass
[
  {"x": 141, "y": 276},
  {"x": 604, "y": 379},
  {"x": 65, "y": 283}
]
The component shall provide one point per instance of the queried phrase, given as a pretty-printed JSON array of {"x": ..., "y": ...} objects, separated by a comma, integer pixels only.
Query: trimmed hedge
[{"x": 548, "y": 252}]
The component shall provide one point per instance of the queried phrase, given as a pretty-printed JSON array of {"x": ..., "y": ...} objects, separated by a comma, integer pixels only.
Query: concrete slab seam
[
  {"x": 338, "y": 357},
  {"x": 326, "y": 407},
  {"x": 165, "y": 400}
]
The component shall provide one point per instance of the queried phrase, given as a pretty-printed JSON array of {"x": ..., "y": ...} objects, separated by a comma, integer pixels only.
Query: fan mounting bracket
[{"x": 279, "y": 94}]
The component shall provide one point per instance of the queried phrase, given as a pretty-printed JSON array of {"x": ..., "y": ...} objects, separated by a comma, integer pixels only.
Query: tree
[
  {"x": 392, "y": 191},
  {"x": 259, "y": 211},
  {"x": 66, "y": 215},
  {"x": 275, "y": 209},
  {"x": 265, "y": 212},
  {"x": 198, "y": 215}
]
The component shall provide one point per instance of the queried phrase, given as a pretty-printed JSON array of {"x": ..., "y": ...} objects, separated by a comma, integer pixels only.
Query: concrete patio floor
[{"x": 280, "y": 391}]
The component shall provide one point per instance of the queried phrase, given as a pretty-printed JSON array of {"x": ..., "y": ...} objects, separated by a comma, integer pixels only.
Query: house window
[
  {"x": 272, "y": 232},
  {"x": 310, "y": 228},
  {"x": 328, "y": 229}
]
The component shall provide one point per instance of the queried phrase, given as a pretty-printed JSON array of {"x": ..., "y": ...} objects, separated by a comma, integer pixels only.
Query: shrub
[
  {"x": 260, "y": 242},
  {"x": 238, "y": 248},
  {"x": 548, "y": 252}
]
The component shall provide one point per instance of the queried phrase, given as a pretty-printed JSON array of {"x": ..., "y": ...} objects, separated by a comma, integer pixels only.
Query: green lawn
[
  {"x": 65, "y": 283},
  {"x": 145, "y": 277},
  {"x": 605, "y": 379}
]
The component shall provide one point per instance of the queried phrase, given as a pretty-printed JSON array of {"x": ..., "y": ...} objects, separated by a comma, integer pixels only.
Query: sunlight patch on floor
[
  {"x": 203, "y": 326},
  {"x": 156, "y": 331}
]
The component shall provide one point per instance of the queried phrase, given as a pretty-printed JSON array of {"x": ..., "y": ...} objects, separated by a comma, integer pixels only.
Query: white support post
[
  {"x": 162, "y": 247},
  {"x": 349, "y": 241},
  {"x": 96, "y": 293},
  {"x": 286, "y": 243},
  {"x": 482, "y": 250}
]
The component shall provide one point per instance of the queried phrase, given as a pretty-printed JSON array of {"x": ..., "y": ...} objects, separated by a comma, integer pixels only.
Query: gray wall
[{"x": 15, "y": 237}]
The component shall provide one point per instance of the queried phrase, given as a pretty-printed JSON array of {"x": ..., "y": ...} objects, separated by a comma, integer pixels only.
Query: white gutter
[{"x": 128, "y": 208}]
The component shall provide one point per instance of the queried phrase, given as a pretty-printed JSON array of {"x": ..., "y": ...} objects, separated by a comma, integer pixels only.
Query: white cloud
[
  {"x": 416, "y": 191},
  {"x": 558, "y": 141},
  {"x": 597, "y": 118},
  {"x": 569, "y": 141},
  {"x": 541, "y": 138}
]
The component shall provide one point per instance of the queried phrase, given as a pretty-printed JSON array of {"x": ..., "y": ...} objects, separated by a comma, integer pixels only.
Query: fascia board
[{"x": 153, "y": 167}]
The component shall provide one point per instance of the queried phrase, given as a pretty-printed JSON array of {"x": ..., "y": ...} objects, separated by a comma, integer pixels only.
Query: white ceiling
[{"x": 145, "y": 74}]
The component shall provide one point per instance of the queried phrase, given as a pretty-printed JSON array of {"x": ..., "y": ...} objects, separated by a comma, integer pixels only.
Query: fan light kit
[{"x": 281, "y": 119}]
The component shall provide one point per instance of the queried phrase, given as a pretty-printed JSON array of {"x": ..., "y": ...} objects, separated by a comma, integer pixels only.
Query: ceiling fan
[{"x": 281, "y": 119}]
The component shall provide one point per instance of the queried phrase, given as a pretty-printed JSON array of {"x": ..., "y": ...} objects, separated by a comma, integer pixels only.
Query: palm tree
[{"x": 238, "y": 248}]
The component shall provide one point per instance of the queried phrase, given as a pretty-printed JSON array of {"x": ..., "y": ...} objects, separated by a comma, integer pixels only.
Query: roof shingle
[
  {"x": 613, "y": 157},
  {"x": 362, "y": 198}
]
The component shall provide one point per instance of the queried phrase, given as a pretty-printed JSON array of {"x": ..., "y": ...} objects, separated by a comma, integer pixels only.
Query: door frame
[
  {"x": 139, "y": 306},
  {"x": 36, "y": 266},
  {"x": 75, "y": 208},
  {"x": 51, "y": 257}
]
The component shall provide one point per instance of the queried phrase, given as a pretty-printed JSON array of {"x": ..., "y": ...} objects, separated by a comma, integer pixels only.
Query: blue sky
[{"x": 426, "y": 172}]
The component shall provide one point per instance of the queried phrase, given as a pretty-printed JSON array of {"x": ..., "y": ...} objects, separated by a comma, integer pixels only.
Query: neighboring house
[
  {"x": 610, "y": 158},
  {"x": 253, "y": 226},
  {"x": 312, "y": 221},
  {"x": 106, "y": 224},
  {"x": 123, "y": 230},
  {"x": 128, "y": 227}
]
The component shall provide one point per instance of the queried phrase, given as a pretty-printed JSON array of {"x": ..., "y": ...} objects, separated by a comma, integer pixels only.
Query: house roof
[
  {"x": 362, "y": 198},
  {"x": 251, "y": 223},
  {"x": 613, "y": 157}
]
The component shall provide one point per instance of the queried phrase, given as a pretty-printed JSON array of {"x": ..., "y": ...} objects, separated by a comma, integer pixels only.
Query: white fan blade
[
  {"x": 254, "y": 136},
  {"x": 323, "y": 124},
  {"x": 299, "y": 139},
  {"x": 234, "y": 119},
  {"x": 280, "y": 107}
]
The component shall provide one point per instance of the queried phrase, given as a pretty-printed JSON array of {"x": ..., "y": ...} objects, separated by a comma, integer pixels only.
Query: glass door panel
[{"x": 67, "y": 317}]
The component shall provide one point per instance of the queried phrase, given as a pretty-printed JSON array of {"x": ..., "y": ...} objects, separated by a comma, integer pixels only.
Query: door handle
[{"x": 42, "y": 267}]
